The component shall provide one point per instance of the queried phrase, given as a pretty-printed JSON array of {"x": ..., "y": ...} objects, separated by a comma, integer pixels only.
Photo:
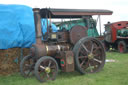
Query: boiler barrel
[{"x": 39, "y": 50}]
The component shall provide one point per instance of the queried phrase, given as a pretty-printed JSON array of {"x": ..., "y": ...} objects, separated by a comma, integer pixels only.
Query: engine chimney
[{"x": 37, "y": 21}]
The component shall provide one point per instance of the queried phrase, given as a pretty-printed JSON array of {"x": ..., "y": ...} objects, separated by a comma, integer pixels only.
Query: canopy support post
[{"x": 99, "y": 24}]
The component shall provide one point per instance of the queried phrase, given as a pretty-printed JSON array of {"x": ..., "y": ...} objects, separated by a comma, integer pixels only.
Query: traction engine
[
  {"x": 116, "y": 36},
  {"x": 65, "y": 50}
]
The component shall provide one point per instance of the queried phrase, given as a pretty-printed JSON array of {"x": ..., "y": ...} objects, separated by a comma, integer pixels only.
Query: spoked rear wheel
[
  {"x": 89, "y": 55},
  {"x": 46, "y": 69},
  {"x": 27, "y": 66}
]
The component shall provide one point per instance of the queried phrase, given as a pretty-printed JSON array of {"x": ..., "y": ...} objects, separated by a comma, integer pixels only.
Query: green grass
[{"x": 114, "y": 73}]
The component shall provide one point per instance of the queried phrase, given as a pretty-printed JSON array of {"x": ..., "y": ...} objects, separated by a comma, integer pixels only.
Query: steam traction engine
[
  {"x": 116, "y": 36},
  {"x": 65, "y": 50}
]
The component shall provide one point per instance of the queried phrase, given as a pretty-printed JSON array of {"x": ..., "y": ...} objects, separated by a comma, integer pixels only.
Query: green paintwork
[
  {"x": 122, "y": 33},
  {"x": 92, "y": 31}
]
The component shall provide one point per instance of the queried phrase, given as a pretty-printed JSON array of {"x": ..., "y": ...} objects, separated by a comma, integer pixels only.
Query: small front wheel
[{"x": 46, "y": 68}]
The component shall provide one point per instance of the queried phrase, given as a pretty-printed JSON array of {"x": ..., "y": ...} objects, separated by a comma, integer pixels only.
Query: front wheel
[{"x": 46, "y": 68}]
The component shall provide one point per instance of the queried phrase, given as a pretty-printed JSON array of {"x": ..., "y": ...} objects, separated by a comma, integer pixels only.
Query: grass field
[{"x": 114, "y": 73}]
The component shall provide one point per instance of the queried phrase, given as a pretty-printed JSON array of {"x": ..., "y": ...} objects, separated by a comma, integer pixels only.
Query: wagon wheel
[
  {"x": 27, "y": 66},
  {"x": 122, "y": 47},
  {"x": 46, "y": 69},
  {"x": 89, "y": 55}
]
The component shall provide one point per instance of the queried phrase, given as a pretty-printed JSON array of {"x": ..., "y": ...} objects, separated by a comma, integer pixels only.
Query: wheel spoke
[
  {"x": 44, "y": 75},
  {"x": 85, "y": 47},
  {"x": 94, "y": 64},
  {"x": 27, "y": 67},
  {"x": 92, "y": 48},
  {"x": 97, "y": 60},
  {"x": 83, "y": 57},
  {"x": 82, "y": 52},
  {"x": 49, "y": 63},
  {"x": 42, "y": 67},
  {"x": 82, "y": 63},
  {"x": 86, "y": 65},
  {"x": 53, "y": 67},
  {"x": 48, "y": 76},
  {"x": 95, "y": 55},
  {"x": 97, "y": 48}
]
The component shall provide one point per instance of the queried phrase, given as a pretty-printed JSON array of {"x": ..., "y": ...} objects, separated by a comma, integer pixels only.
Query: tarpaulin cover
[{"x": 17, "y": 27}]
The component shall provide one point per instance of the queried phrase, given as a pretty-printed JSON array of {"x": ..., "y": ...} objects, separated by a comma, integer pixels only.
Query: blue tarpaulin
[{"x": 17, "y": 27}]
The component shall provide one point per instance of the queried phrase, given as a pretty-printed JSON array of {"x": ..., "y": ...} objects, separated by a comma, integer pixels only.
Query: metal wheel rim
[
  {"x": 87, "y": 60},
  {"x": 42, "y": 70}
]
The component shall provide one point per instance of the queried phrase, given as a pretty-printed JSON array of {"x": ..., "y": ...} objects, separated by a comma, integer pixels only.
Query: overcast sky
[{"x": 119, "y": 7}]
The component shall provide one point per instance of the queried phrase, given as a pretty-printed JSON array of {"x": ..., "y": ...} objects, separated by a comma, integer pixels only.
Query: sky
[{"x": 119, "y": 7}]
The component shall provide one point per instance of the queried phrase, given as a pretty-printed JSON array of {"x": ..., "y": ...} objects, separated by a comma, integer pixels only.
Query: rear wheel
[
  {"x": 89, "y": 55},
  {"x": 122, "y": 47},
  {"x": 46, "y": 68}
]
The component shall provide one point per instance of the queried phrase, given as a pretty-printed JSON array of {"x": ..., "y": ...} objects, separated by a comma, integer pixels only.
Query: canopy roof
[{"x": 72, "y": 13}]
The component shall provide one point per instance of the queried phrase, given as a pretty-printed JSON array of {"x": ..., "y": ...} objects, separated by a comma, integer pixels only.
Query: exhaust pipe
[{"x": 37, "y": 21}]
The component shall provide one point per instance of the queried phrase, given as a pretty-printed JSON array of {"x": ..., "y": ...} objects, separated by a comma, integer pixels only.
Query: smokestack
[{"x": 37, "y": 20}]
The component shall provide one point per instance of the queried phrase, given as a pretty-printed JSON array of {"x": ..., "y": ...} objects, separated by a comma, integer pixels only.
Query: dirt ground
[{"x": 10, "y": 59}]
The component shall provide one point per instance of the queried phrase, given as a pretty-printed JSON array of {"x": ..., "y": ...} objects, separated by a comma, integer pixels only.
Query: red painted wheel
[
  {"x": 89, "y": 55},
  {"x": 122, "y": 47}
]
